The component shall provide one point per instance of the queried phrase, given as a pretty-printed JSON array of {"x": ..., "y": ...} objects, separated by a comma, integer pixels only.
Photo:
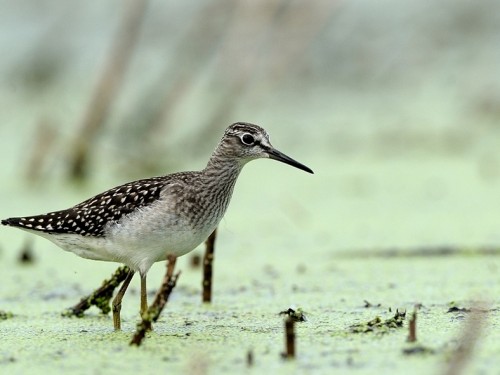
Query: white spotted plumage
[{"x": 91, "y": 217}]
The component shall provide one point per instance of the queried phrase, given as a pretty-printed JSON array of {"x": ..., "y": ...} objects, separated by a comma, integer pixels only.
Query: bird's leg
[
  {"x": 100, "y": 297},
  {"x": 117, "y": 301},
  {"x": 144, "y": 295},
  {"x": 153, "y": 312}
]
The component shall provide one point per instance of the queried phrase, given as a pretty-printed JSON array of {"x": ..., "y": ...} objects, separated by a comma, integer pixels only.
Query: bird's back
[{"x": 90, "y": 217}]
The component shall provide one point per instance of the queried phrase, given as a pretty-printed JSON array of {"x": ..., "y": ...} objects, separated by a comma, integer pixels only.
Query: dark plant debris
[
  {"x": 418, "y": 350},
  {"x": 378, "y": 325},
  {"x": 458, "y": 309},
  {"x": 100, "y": 297},
  {"x": 297, "y": 315},
  {"x": 369, "y": 304},
  {"x": 454, "y": 308},
  {"x": 4, "y": 315},
  {"x": 26, "y": 253},
  {"x": 195, "y": 261},
  {"x": 249, "y": 358},
  {"x": 437, "y": 251}
]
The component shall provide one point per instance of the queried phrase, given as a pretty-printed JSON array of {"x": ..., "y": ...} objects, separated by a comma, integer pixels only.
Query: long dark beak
[{"x": 278, "y": 155}]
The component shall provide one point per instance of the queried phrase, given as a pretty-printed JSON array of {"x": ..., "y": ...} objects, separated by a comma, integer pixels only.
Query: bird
[{"x": 148, "y": 220}]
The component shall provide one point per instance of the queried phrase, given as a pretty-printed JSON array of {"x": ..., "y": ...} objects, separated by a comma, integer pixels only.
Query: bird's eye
[{"x": 247, "y": 139}]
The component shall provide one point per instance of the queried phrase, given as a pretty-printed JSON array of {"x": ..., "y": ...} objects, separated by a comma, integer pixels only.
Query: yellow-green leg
[
  {"x": 117, "y": 301},
  {"x": 144, "y": 295}
]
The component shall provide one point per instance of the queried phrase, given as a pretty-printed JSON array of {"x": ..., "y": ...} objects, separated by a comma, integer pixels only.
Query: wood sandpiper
[{"x": 145, "y": 221}]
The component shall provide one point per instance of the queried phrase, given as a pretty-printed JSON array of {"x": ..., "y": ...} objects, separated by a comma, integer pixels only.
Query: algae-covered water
[{"x": 324, "y": 251}]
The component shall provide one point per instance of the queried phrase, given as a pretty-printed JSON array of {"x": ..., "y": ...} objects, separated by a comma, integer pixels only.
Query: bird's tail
[{"x": 22, "y": 222}]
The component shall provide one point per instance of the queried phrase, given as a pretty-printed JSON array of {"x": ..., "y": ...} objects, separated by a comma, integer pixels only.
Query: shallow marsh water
[{"x": 304, "y": 241}]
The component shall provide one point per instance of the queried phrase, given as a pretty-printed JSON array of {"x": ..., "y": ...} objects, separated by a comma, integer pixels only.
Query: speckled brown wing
[{"x": 90, "y": 217}]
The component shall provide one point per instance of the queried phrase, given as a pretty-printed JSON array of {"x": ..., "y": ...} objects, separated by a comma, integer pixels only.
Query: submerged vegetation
[
  {"x": 4, "y": 315},
  {"x": 379, "y": 325},
  {"x": 101, "y": 297}
]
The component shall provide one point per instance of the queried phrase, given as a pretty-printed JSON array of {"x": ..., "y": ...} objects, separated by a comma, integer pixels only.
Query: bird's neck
[
  {"x": 215, "y": 188},
  {"x": 221, "y": 171}
]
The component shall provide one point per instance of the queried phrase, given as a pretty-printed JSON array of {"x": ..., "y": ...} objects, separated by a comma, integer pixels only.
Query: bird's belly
[
  {"x": 162, "y": 243},
  {"x": 88, "y": 247},
  {"x": 139, "y": 242}
]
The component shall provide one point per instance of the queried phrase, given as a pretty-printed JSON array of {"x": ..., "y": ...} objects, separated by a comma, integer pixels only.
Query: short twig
[
  {"x": 412, "y": 327},
  {"x": 208, "y": 267},
  {"x": 101, "y": 296},
  {"x": 195, "y": 261},
  {"x": 26, "y": 253},
  {"x": 161, "y": 298},
  {"x": 249, "y": 358},
  {"x": 289, "y": 338}
]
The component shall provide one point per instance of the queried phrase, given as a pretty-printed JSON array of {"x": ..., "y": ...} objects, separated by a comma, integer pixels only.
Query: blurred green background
[
  {"x": 383, "y": 100},
  {"x": 394, "y": 105},
  {"x": 349, "y": 77},
  {"x": 334, "y": 83}
]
